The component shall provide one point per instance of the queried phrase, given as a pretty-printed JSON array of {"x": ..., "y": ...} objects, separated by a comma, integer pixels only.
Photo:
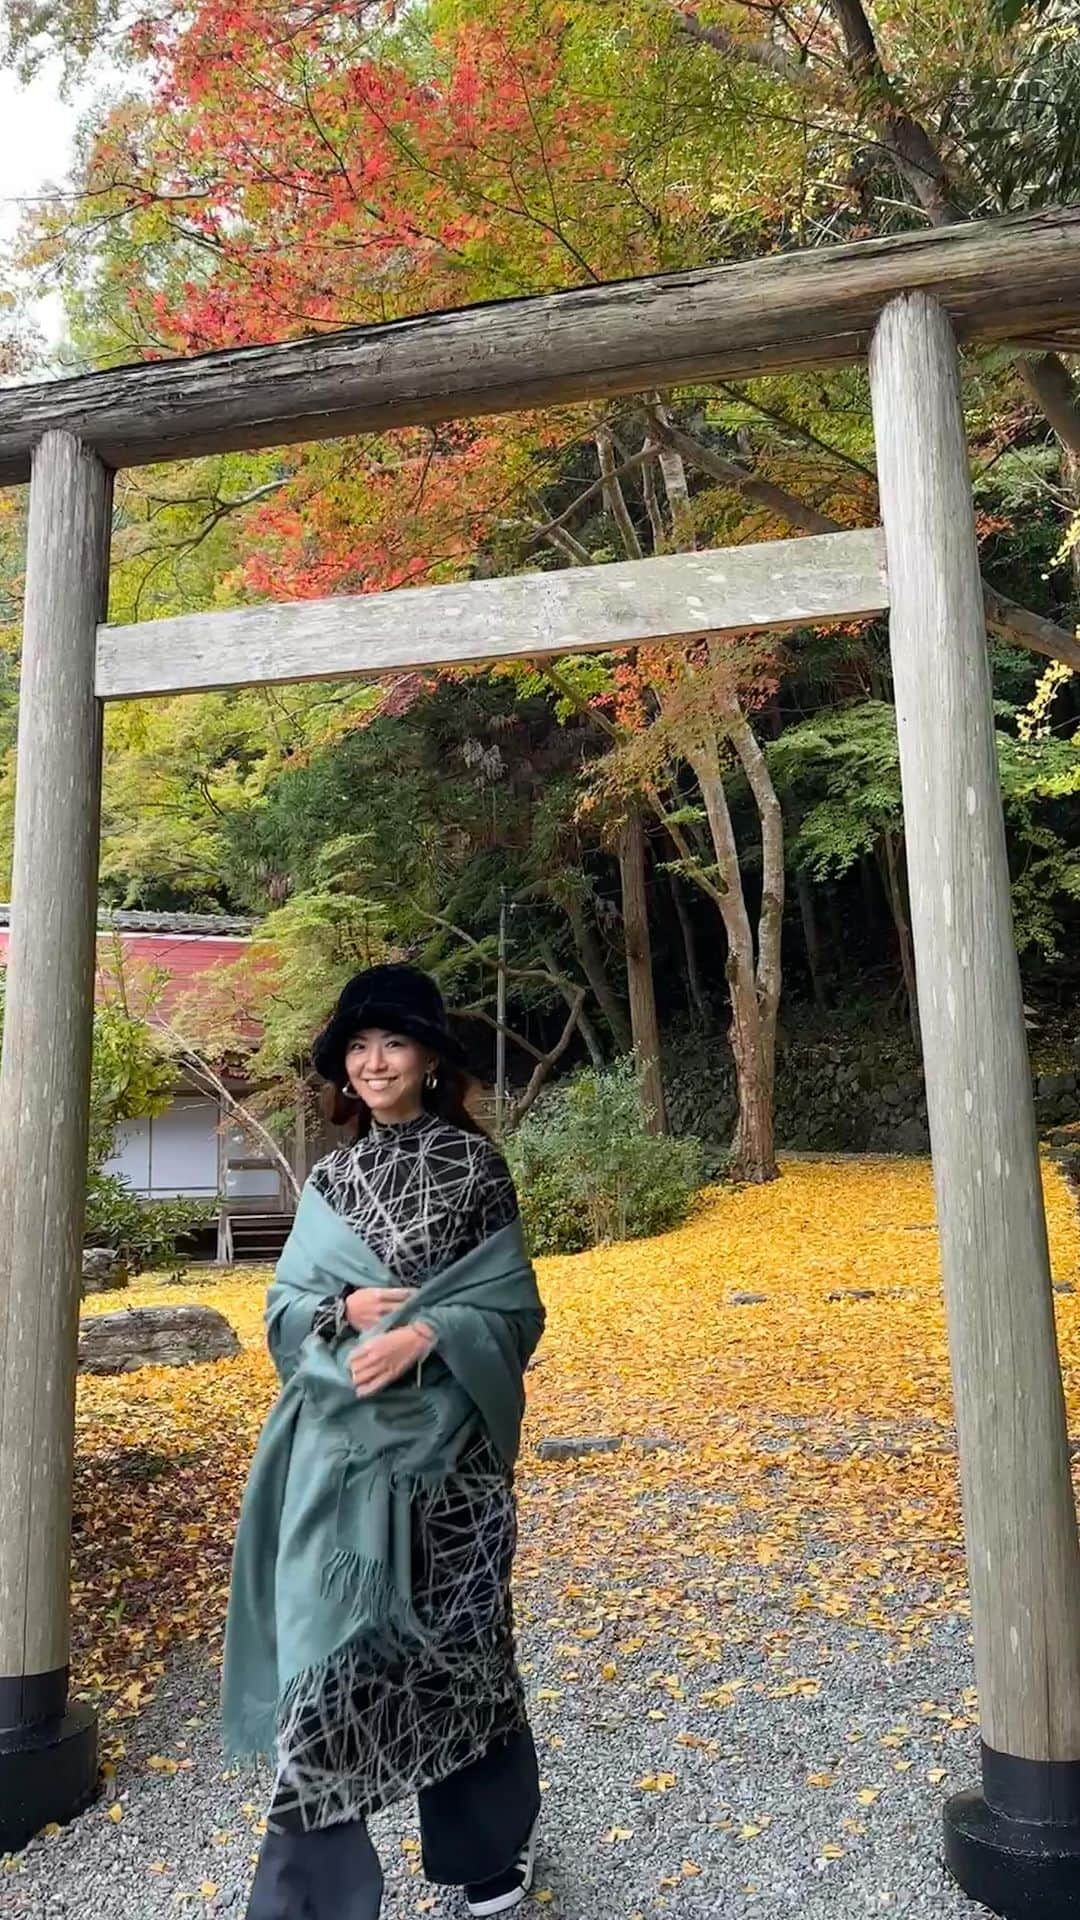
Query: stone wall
[{"x": 861, "y": 1095}]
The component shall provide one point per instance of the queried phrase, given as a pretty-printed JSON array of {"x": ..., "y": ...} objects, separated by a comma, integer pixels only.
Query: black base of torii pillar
[
  {"x": 1022, "y": 1859},
  {"x": 1015, "y": 1845},
  {"x": 48, "y": 1757}
]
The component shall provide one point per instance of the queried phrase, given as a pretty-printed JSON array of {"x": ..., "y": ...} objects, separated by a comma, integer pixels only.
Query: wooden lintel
[
  {"x": 777, "y": 584},
  {"x": 1016, "y": 279}
]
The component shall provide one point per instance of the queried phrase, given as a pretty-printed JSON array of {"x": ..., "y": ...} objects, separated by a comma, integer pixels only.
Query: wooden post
[
  {"x": 48, "y": 1758},
  {"x": 1015, "y": 1846}
]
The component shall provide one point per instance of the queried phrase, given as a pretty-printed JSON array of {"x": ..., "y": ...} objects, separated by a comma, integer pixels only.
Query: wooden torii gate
[{"x": 1016, "y": 1844}]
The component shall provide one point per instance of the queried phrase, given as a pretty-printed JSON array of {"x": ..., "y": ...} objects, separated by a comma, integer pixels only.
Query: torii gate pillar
[
  {"x": 1016, "y": 1845},
  {"x": 48, "y": 1748}
]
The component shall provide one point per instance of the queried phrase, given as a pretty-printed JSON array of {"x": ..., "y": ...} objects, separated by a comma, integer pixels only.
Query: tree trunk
[
  {"x": 592, "y": 961},
  {"x": 753, "y": 1028},
  {"x": 898, "y": 908},
  {"x": 698, "y": 1004},
  {"x": 675, "y": 486},
  {"x": 754, "y": 985},
  {"x": 838, "y": 943},
  {"x": 805, "y": 894},
  {"x": 770, "y": 928},
  {"x": 1070, "y": 478},
  {"x": 643, "y": 1021},
  {"x": 652, "y": 502},
  {"x": 614, "y": 498},
  {"x": 869, "y": 896}
]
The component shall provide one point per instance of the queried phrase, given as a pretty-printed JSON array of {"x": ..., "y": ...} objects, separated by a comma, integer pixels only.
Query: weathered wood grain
[
  {"x": 45, "y": 1074},
  {"x": 1023, "y": 1556},
  {"x": 777, "y": 584},
  {"x": 1013, "y": 279}
]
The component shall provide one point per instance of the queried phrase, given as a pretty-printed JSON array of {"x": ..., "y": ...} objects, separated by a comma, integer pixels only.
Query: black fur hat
[{"x": 397, "y": 998}]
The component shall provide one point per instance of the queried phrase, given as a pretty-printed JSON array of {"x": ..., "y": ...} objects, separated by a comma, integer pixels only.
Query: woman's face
[{"x": 387, "y": 1071}]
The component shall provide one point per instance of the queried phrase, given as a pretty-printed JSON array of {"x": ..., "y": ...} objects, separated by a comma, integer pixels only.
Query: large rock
[
  {"x": 154, "y": 1337},
  {"x": 573, "y": 1447},
  {"x": 103, "y": 1270}
]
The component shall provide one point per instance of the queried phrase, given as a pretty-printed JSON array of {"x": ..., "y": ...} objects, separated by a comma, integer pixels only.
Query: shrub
[
  {"x": 130, "y": 1077},
  {"x": 144, "y": 1234},
  {"x": 588, "y": 1172}
]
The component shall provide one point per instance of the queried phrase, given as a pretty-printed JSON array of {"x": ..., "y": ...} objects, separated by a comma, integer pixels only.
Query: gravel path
[
  {"x": 745, "y": 1632},
  {"x": 751, "y": 1797}
]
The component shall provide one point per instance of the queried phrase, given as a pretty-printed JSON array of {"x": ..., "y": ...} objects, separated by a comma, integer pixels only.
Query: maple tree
[{"x": 290, "y": 170}]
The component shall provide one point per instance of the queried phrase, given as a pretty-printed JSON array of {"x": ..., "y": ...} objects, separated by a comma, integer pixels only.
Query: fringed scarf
[{"x": 324, "y": 1545}]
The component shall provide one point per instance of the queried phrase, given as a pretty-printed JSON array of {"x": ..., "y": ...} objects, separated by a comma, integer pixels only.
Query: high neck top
[
  {"x": 421, "y": 1194},
  {"x": 388, "y": 1130}
]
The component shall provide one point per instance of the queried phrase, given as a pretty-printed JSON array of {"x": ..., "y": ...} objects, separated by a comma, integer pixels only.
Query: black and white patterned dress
[{"x": 421, "y": 1196}]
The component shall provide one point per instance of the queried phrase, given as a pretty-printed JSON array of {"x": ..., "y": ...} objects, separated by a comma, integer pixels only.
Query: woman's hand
[
  {"x": 366, "y": 1307},
  {"x": 381, "y": 1361}
]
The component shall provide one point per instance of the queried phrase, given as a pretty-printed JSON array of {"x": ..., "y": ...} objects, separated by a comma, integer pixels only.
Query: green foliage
[
  {"x": 1021, "y": 127},
  {"x": 1040, "y": 780},
  {"x": 317, "y": 940},
  {"x": 144, "y": 1234},
  {"x": 130, "y": 1078},
  {"x": 588, "y": 1172},
  {"x": 840, "y": 775},
  {"x": 1009, "y": 13}
]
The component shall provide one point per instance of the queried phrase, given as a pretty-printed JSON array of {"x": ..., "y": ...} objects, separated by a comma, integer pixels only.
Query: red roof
[{"x": 185, "y": 958}]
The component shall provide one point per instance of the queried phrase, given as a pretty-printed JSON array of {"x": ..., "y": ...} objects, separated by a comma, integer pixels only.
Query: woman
[{"x": 370, "y": 1634}]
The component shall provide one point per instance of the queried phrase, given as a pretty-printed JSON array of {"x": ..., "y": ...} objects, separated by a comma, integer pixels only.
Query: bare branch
[
  {"x": 525, "y": 1100},
  {"x": 588, "y": 1031},
  {"x": 782, "y": 419},
  {"x": 489, "y": 1020},
  {"x": 565, "y": 543},
  {"x": 674, "y": 474},
  {"x": 488, "y": 960},
  {"x": 652, "y": 498},
  {"x": 759, "y": 53},
  {"x": 731, "y": 473},
  {"x": 614, "y": 498},
  {"x": 562, "y": 686},
  {"x": 629, "y": 465},
  {"x": 1025, "y": 629},
  {"x": 1050, "y": 383},
  {"x": 691, "y": 865},
  {"x": 209, "y": 1081}
]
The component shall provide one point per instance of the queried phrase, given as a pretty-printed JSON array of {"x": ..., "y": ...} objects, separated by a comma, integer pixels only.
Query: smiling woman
[
  {"x": 371, "y": 1598},
  {"x": 387, "y": 1072}
]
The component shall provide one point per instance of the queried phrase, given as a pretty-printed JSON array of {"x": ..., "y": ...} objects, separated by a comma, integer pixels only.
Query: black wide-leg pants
[{"x": 472, "y": 1826}]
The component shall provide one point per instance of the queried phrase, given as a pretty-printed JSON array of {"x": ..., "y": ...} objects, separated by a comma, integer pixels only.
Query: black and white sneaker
[{"x": 509, "y": 1889}]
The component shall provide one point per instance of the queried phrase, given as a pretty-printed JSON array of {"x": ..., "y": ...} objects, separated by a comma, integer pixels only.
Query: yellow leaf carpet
[{"x": 783, "y": 1499}]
